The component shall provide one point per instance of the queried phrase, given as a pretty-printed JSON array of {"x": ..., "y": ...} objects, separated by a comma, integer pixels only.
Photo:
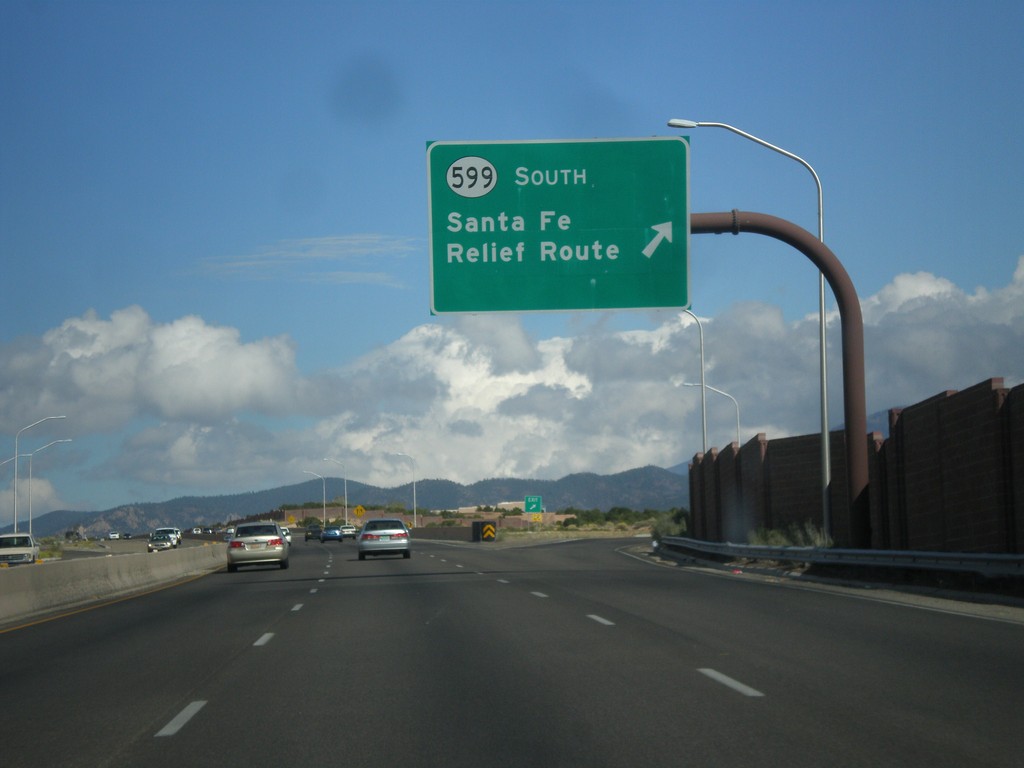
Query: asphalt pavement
[{"x": 583, "y": 653}]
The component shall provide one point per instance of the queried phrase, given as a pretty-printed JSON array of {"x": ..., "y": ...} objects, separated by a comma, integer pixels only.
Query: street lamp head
[{"x": 678, "y": 122}]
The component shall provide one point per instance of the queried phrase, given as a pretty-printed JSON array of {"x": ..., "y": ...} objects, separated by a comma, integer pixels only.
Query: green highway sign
[
  {"x": 533, "y": 504},
  {"x": 558, "y": 225}
]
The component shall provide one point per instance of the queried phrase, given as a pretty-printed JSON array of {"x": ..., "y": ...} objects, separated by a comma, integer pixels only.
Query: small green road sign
[
  {"x": 533, "y": 504},
  {"x": 559, "y": 225}
]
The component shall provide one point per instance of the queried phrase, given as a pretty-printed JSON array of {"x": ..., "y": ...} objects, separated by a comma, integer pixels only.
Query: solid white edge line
[
  {"x": 728, "y": 681},
  {"x": 600, "y": 620},
  {"x": 264, "y": 639},
  {"x": 179, "y": 720}
]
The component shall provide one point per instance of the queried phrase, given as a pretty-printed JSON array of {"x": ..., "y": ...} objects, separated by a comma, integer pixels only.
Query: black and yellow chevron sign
[{"x": 488, "y": 533}]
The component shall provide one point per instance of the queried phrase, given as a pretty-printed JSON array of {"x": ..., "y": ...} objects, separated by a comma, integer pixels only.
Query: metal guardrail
[{"x": 985, "y": 564}]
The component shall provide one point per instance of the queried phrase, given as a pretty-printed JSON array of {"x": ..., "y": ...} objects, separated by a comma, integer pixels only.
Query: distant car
[
  {"x": 287, "y": 533},
  {"x": 172, "y": 533},
  {"x": 261, "y": 543},
  {"x": 159, "y": 542},
  {"x": 331, "y": 533},
  {"x": 196, "y": 531},
  {"x": 18, "y": 549},
  {"x": 348, "y": 531},
  {"x": 383, "y": 536},
  {"x": 313, "y": 532},
  {"x": 113, "y": 535},
  {"x": 207, "y": 530}
]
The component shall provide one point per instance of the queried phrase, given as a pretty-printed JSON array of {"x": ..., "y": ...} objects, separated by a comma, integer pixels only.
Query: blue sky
[{"x": 213, "y": 226}]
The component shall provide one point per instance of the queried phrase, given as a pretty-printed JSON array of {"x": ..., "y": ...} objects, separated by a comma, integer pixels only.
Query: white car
[
  {"x": 172, "y": 533},
  {"x": 17, "y": 549},
  {"x": 261, "y": 543},
  {"x": 383, "y": 537}
]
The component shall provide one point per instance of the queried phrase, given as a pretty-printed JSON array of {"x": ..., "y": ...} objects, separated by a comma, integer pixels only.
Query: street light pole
[
  {"x": 713, "y": 389},
  {"x": 324, "y": 482},
  {"x": 410, "y": 458},
  {"x": 344, "y": 472},
  {"x": 826, "y": 450},
  {"x": 703, "y": 392},
  {"x": 37, "y": 450},
  {"x": 15, "y": 458}
]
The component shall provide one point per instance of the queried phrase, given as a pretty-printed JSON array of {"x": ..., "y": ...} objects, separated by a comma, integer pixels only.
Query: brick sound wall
[
  {"x": 1014, "y": 407},
  {"x": 793, "y": 480},
  {"x": 950, "y": 477}
]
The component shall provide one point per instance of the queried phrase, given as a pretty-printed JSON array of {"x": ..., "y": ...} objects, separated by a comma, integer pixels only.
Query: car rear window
[
  {"x": 257, "y": 530},
  {"x": 381, "y": 525},
  {"x": 9, "y": 542}
]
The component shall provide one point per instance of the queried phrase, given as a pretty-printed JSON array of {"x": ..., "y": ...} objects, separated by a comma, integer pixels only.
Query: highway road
[{"x": 585, "y": 653}]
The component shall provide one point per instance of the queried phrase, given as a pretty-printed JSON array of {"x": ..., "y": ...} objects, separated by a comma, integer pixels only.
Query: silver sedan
[
  {"x": 383, "y": 536},
  {"x": 261, "y": 543}
]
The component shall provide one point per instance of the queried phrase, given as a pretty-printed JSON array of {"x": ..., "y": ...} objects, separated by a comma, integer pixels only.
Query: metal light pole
[
  {"x": 37, "y": 450},
  {"x": 826, "y": 451},
  {"x": 410, "y": 458},
  {"x": 324, "y": 482},
  {"x": 345, "y": 478},
  {"x": 15, "y": 458},
  {"x": 713, "y": 389},
  {"x": 703, "y": 392}
]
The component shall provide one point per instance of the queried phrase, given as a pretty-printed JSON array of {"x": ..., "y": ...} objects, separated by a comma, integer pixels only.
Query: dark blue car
[{"x": 331, "y": 533}]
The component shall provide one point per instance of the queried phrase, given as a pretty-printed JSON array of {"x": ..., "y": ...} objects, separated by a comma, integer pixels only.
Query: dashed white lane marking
[
  {"x": 265, "y": 639},
  {"x": 312, "y": 591},
  {"x": 600, "y": 620},
  {"x": 503, "y": 581},
  {"x": 538, "y": 594},
  {"x": 179, "y": 720},
  {"x": 460, "y": 566},
  {"x": 297, "y": 607},
  {"x": 728, "y": 681},
  {"x": 320, "y": 581}
]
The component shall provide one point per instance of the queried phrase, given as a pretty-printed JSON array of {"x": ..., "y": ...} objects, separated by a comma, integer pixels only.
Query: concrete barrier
[{"x": 28, "y": 591}]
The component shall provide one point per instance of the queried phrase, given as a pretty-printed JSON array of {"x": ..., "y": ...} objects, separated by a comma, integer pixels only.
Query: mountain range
[{"x": 639, "y": 489}]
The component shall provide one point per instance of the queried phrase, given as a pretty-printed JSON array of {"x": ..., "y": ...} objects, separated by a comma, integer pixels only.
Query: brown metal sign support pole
[{"x": 854, "y": 395}]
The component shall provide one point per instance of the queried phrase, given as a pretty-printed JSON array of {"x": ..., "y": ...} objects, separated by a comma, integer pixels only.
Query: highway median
[{"x": 32, "y": 591}]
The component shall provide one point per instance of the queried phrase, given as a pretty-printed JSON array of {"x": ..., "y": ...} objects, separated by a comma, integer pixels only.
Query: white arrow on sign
[{"x": 664, "y": 233}]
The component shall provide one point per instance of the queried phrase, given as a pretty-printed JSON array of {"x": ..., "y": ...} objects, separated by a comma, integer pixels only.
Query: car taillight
[
  {"x": 399, "y": 535},
  {"x": 237, "y": 545},
  {"x": 370, "y": 537},
  {"x": 275, "y": 543}
]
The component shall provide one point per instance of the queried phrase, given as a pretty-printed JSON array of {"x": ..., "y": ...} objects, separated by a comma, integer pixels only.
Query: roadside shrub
[{"x": 805, "y": 534}]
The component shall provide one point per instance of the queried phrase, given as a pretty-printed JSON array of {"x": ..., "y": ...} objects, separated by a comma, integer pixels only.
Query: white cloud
[
  {"x": 199, "y": 410},
  {"x": 110, "y": 371},
  {"x": 311, "y": 259}
]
